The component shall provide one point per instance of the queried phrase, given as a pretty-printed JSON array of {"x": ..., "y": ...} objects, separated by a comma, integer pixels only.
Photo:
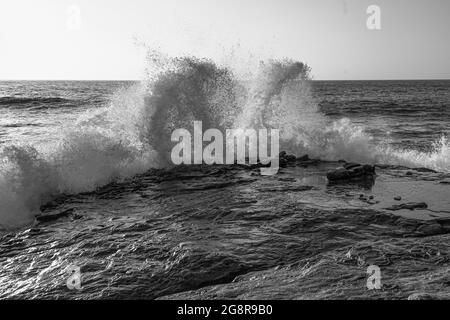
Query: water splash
[
  {"x": 132, "y": 134},
  {"x": 438, "y": 158}
]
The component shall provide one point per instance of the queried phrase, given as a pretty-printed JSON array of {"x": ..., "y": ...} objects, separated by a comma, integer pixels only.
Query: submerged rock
[
  {"x": 421, "y": 169},
  {"x": 409, "y": 205},
  {"x": 351, "y": 171},
  {"x": 286, "y": 159},
  {"x": 413, "y": 265},
  {"x": 303, "y": 158},
  {"x": 55, "y": 216},
  {"x": 290, "y": 159}
]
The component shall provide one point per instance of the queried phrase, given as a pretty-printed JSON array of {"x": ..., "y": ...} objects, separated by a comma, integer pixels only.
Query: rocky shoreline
[
  {"x": 413, "y": 257},
  {"x": 226, "y": 232}
]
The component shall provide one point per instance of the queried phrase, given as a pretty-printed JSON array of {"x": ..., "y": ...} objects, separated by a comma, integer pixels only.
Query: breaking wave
[{"x": 132, "y": 134}]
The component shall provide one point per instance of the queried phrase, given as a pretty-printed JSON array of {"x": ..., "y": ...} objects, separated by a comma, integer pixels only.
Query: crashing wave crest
[{"x": 132, "y": 134}]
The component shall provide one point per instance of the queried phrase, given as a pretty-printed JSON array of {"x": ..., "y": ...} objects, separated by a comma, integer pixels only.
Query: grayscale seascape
[
  {"x": 223, "y": 231},
  {"x": 224, "y": 150}
]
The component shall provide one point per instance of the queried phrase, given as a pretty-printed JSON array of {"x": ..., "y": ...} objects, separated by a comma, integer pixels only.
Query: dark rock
[
  {"x": 425, "y": 170},
  {"x": 398, "y": 198},
  {"x": 52, "y": 217},
  {"x": 363, "y": 197},
  {"x": 351, "y": 171},
  {"x": 292, "y": 188},
  {"x": 369, "y": 168},
  {"x": 77, "y": 216},
  {"x": 444, "y": 221},
  {"x": 338, "y": 174},
  {"x": 310, "y": 162},
  {"x": 285, "y": 159},
  {"x": 291, "y": 158},
  {"x": 49, "y": 205},
  {"x": 409, "y": 205},
  {"x": 303, "y": 158}
]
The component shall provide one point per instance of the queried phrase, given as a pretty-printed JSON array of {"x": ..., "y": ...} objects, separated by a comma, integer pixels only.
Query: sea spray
[
  {"x": 132, "y": 133},
  {"x": 104, "y": 145},
  {"x": 437, "y": 159}
]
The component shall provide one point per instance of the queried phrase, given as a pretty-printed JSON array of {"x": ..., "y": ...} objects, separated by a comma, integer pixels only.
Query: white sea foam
[{"x": 133, "y": 133}]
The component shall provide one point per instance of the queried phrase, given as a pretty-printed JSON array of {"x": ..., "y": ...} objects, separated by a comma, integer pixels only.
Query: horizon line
[{"x": 137, "y": 80}]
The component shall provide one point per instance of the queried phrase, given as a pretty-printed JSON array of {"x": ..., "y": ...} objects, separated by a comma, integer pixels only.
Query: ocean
[
  {"x": 84, "y": 184},
  {"x": 409, "y": 115}
]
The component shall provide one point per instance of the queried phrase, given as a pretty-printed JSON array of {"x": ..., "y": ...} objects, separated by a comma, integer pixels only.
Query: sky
[{"x": 108, "y": 39}]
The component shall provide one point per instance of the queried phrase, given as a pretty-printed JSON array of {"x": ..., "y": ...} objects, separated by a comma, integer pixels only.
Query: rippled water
[
  {"x": 35, "y": 111},
  {"x": 412, "y": 114},
  {"x": 226, "y": 231},
  {"x": 234, "y": 234}
]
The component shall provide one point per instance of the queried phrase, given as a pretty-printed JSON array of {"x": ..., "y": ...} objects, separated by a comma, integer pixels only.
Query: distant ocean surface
[
  {"x": 35, "y": 111},
  {"x": 83, "y": 183},
  {"x": 408, "y": 114}
]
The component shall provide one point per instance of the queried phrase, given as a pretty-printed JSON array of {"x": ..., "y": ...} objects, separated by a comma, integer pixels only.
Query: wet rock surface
[
  {"x": 291, "y": 160},
  {"x": 351, "y": 172},
  {"x": 409, "y": 206},
  {"x": 227, "y": 232}
]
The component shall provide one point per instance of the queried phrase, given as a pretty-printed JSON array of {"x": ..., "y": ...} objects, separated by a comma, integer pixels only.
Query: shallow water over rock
[{"x": 228, "y": 232}]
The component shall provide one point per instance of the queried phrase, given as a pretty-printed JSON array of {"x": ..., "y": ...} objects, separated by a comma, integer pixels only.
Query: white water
[{"x": 133, "y": 133}]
